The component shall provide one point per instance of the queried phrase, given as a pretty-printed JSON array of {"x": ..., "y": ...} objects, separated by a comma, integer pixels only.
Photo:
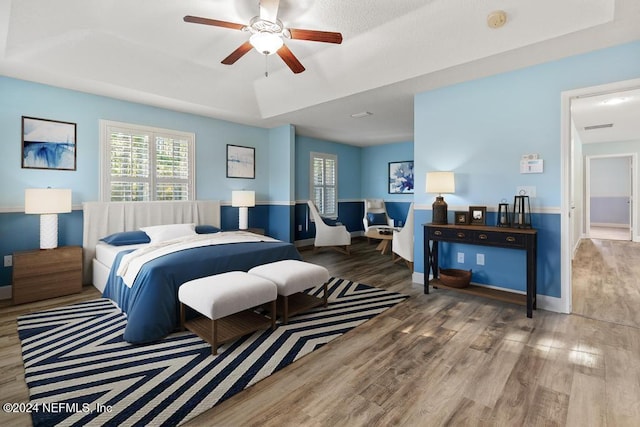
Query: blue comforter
[{"x": 151, "y": 304}]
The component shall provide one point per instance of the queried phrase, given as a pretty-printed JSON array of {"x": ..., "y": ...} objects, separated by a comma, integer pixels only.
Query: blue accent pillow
[
  {"x": 377, "y": 218},
  {"x": 206, "y": 229},
  {"x": 127, "y": 238}
]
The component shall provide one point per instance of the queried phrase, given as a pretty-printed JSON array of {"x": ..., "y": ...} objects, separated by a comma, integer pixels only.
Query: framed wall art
[
  {"x": 401, "y": 177},
  {"x": 241, "y": 162},
  {"x": 477, "y": 215},
  {"x": 48, "y": 144}
]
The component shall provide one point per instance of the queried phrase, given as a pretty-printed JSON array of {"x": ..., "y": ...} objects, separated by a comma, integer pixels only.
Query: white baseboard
[{"x": 5, "y": 292}]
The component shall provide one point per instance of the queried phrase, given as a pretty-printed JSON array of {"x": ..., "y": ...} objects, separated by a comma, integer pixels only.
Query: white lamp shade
[
  {"x": 243, "y": 199},
  {"x": 440, "y": 182},
  {"x": 47, "y": 200}
]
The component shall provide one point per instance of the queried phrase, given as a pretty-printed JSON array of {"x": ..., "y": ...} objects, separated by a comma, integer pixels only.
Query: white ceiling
[
  {"x": 621, "y": 110},
  {"x": 142, "y": 51}
]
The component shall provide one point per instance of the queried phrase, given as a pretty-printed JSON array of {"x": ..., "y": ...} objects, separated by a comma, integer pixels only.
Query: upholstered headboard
[{"x": 101, "y": 219}]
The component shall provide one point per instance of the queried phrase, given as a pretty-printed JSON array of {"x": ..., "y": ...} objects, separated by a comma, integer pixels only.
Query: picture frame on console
[
  {"x": 477, "y": 215},
  {"x": 461, "y": 218}
]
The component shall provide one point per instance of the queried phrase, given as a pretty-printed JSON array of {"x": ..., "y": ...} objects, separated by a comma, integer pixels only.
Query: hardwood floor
[{"x": 438, "y": 359}]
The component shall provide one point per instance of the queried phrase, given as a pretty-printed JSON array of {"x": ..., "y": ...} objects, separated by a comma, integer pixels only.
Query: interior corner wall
[
  {"x": 282, "y": 182},
  {"x": 480, "y": 129}
]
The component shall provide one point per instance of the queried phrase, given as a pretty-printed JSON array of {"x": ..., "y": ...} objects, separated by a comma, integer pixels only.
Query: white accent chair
[
  {"x": 375, "y": 206},
  {"x": 402, "y": 242},
  {"x": 335, "y": 236}
]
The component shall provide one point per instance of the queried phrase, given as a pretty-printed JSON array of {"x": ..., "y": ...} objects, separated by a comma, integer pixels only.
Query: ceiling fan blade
[
  {"x": 237, "y": 54},
  {"x": 214, "y": 22},
  {"x": 290, "y": 59},
  {"x": 269, "y": 10},
  {"x": 316, "y": 36}
]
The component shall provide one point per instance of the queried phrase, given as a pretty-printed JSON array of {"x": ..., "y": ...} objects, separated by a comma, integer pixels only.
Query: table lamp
[
  {"x": 440, "y": 182},
  {"x": 243, "y": 199},
  {"x": 48, "y": 203}
]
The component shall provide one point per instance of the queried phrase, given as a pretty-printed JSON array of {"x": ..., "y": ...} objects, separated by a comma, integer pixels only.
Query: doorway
[
  {"x": 608, "y": 196},
  {"x": 573, "y": 181}
]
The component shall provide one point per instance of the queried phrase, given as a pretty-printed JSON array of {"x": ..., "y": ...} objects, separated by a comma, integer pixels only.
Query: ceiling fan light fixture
[{"x": 266, "y": 43}]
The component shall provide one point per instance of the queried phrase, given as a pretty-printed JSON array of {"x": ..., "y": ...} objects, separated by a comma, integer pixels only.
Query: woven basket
[{"x": 455, "y": 278}]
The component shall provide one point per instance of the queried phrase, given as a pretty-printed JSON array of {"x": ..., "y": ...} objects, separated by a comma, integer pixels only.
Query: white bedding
[{"x": 106, "y": 253}]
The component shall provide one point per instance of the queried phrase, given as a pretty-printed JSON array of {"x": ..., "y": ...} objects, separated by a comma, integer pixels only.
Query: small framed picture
[
  {"x": 241, "y": 162},
  {"x": 477, "y": 215},
  {"x": 461, "y": 218}
]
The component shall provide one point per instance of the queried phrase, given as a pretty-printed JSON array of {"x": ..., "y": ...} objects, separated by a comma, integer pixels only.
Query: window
[
  {"x": 324, "y": 183},
  {"x": 141, "y": 163}
]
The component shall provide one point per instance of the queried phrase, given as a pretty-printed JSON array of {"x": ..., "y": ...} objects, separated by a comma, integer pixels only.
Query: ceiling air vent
[{"x": 606, "y": 125}]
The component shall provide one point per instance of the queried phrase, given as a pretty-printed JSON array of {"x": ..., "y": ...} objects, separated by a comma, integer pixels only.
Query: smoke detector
[{"x": 497, "y": 19}]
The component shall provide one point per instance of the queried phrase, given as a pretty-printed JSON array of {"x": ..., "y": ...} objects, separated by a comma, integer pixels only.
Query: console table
[{"x": 511, "y": 238}]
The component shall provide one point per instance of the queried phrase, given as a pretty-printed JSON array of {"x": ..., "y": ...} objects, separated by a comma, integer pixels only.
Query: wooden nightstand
[{"x": 46, "y": 273}]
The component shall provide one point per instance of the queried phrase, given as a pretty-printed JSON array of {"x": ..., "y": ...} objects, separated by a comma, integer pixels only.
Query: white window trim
[
  {"x": 333, "y": 157},
  {"x": 105, "y": 154}
]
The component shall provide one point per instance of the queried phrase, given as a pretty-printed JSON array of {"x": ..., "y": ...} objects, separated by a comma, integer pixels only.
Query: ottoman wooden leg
[
  {"x": 214, "y": 342},
  {"x": 285, "y": 310},
  {"x": 273, "y": 315}
]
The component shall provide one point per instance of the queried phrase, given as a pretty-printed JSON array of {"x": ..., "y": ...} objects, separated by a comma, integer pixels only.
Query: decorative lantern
[
  {"x": 521, "y": 212},
  {"x": 503, "y": 214}
]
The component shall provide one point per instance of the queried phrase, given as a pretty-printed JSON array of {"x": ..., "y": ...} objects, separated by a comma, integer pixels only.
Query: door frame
[{"x": 566, "y": 178}]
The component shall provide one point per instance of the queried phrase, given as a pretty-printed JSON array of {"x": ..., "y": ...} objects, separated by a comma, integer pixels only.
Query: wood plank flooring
[{"x": 440, "y": 359}]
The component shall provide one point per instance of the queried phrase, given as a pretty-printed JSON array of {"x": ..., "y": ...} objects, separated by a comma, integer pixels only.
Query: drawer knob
[
  {"x": 460, "y": 235},
  {"x": 483, "y": 237},
  {"x": 511, "y": 239},
  {"x": 438, "y": 233}
]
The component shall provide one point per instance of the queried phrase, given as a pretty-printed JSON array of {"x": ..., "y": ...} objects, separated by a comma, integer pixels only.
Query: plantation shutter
[
  {"x": 172, "y": 168},
  {"x": 144, "y": 164},
  {"x": 130, "y": 156},
  {"x": 324, "y": 183}
]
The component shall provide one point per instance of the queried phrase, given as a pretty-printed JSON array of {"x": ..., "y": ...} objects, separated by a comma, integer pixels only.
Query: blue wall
[
  {"x": 480, "y": 129},
  {"x": 274, "y": 161}
]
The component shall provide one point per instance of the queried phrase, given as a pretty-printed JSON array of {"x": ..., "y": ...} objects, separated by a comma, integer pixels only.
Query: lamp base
[
  {"x": 439, "y": 211},
  {"x": 48, "y": 231},
  {"x": 243, "y": 220}
]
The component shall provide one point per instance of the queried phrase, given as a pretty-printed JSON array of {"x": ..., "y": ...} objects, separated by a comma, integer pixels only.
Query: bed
[{"x": 150, "y": 300}]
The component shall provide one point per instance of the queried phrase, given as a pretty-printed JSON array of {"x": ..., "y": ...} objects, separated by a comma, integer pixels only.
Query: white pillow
[{"x": 161, "y": 233}]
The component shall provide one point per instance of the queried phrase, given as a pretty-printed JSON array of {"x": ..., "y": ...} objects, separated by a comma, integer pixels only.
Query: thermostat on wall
[{"x": 531, "y": 166}]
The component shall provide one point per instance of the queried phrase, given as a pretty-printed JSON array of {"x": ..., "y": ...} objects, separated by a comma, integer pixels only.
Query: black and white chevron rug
[{"x": 80, "y": 372}]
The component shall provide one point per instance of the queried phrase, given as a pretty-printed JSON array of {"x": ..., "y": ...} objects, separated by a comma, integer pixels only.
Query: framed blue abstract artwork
[
  {"x": 401, "y": 177},
  {"x": 241, "y": 162},
  {"x": 48, "y": 144}
]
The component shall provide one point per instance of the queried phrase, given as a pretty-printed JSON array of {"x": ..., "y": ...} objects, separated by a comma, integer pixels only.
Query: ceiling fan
[{"x": 268, "y": 34}]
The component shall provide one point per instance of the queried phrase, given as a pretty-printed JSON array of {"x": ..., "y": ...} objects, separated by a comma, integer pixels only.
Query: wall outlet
[
  {"x": 526, "y": 191},
  {"x": 8, "y": 260},
  {"x": 480, "y": 259},
  {"x": 299, "y": 227},
  {"x": 461, "y": 257}
]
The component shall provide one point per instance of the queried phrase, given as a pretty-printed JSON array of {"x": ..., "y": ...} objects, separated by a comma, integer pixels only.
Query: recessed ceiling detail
[{"x": 142, "y": 51}]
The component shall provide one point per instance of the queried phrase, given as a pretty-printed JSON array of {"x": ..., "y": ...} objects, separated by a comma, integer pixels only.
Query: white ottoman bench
[
  {"x": 225, "y": 300},
  {"x": 292, "y": 277}
]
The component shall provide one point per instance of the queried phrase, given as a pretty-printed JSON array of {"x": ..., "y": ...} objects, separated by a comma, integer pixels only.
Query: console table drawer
[
  {"x": 500, "y": 239},
  {"x": 449, "y": 234}
]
